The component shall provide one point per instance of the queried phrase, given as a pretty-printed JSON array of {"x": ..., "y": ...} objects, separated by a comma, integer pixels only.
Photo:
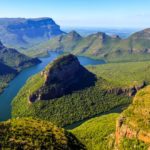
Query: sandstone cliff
[
  {"x": 134, "y": 123},
  {"x": 62, "y": 77}
]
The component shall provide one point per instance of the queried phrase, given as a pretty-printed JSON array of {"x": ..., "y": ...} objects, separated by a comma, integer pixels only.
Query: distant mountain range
[
  {"x": 100, "y": 46},
  {"x": 35, "y": 37},
  {"x": 21, "y": 32}
]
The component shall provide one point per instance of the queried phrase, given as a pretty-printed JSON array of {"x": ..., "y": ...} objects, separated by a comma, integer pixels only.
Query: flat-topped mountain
[
  {"x": 12, "y": 58},
  {"x": 62, "y": 77},
  {"x": 21, "y": 32}
]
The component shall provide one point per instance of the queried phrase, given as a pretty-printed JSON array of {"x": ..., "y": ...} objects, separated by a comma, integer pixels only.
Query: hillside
[
  {"x": 11, "y": 62},
  {"x": 129, "y": 130},
  {"x": 100, "y": 46},
  {"x": 97, "y": 133},
  {"x": 92, "y": 45},
  {"x": 64, "y": 76},
  {"x": 36, "y": 134},
  {"x": 13, "y": 58},
  {"x": 65, "y": 42},
  {"x": 134, "y": 48},
  {"x": 20, "y": 32},
  {"x": 83, "y": 102},
  {"x": 133, "y": 126},
  {"x": 6, "y": 74}
]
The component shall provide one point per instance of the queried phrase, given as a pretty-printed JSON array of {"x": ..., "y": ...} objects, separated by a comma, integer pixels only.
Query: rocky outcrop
[
  {"x": 127, "y": 91},
  {"x": 123, "y": 130},
  {"x": 134, "y": 123},
  {"x": 64, "y": 76}
]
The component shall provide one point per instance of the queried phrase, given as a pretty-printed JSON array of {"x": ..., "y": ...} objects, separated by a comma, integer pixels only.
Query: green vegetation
[
  {"x": 92, "y": 45},
  {"x": 123, "y": 75},
  {"x": 6, "y": 74},
  {"x": 67, "y": 109},
  {"x": 138, "y": 114},
  {"x": 19, "y": 60},
  {"x": 80, "y": 104},
  {"x": 133, "y": 131},
  {"x": 100, "y": 46},
  {"x": 97, "y": 133},
  {"x": 11, "y": 62},
  {"x": 4, "y": 79},
  {"x": 28, "y": 134},
  {"x": 133, "y": 144}
]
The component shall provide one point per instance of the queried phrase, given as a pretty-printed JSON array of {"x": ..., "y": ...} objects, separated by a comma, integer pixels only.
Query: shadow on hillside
[
  {"x": 118, "y": 109},
  {"x": 57, "y": 88}
]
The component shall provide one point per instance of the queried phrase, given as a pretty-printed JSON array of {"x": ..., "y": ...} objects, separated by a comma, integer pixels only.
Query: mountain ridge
[
  {"x": 102, "y": 46},
  {"x": 21, "y": 32}
]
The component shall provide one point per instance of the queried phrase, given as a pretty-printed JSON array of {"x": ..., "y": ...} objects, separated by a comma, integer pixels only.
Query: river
[{"x": 17, "y": 83}]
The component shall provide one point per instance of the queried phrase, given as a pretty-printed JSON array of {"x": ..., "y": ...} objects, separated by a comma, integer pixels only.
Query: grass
[
  {"x": 97, "y": 133},
  {"x": 123, "y": 75},
  {"x": 4, "y": 79},
  {"x": 67, "y": 109},
  {"x": 100, "y": 46},
  {"x": 6, "y": 74},
  {"x": 70, "y": 108},
  {"x": 85, "y": 103},
  {"x": 28, "y": 134},
  {"x": 133, "y": 144},
  {"x": 138, "y": 114}
]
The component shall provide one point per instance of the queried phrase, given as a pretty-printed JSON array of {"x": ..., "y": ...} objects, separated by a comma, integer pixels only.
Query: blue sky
[{"x": 85, "y": 13}]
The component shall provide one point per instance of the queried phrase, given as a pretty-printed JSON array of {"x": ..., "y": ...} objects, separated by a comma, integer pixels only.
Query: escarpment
[
  {"x": 134, "y": 123},
  {"x": 127, "y": 91},
  {"x": 62, "y": 77}
]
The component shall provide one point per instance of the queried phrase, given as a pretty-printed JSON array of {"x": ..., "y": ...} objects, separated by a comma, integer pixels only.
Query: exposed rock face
[
  {"x": 127, "y": 91},
  {"x": 24, "y": 32},
  {"x": 63, "y": 77},
  {"x": 123, "y": 130},
  {"x": 134, "y": 123}
]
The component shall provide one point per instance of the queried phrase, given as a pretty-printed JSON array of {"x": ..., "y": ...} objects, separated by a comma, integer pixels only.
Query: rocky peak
[
  {"x": 116, "y": 37},
  {"x": 64, "y": 76},
  {"x": 74, "y": 35},
  {"x": 65, "y": 66},
  {"x": 144, "y": 34},
  {"x": 99, "y": 35}
]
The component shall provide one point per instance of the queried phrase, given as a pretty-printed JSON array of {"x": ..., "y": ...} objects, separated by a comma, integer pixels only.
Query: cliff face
[
  {"x": 127, "y": 91},
  {"x": 64, "y": 76},
  {"x": 24, "y": 32},
  {"x": 134, "y": 123}
]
